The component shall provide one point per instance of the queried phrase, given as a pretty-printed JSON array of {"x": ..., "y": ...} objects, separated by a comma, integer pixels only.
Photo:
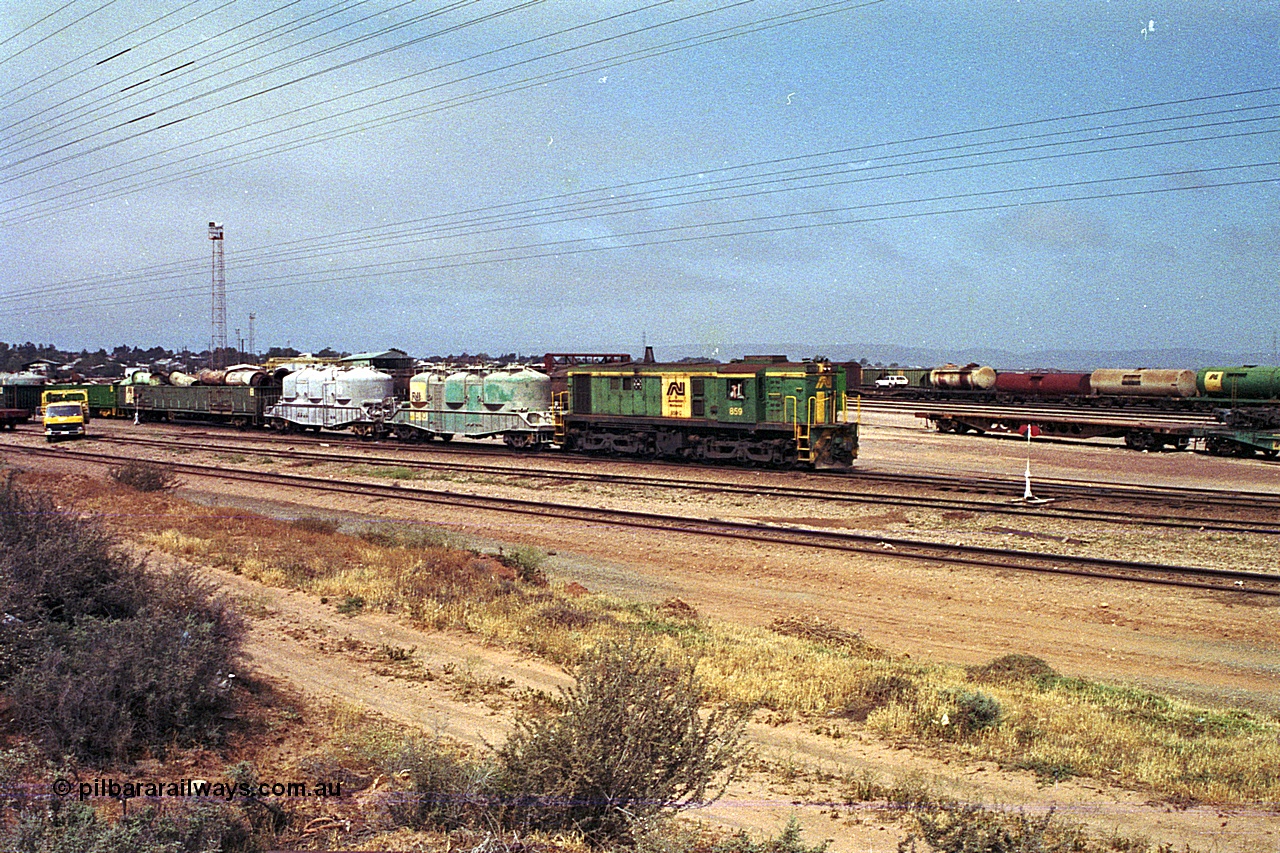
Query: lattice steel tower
[{"x": 218, "y": 346}]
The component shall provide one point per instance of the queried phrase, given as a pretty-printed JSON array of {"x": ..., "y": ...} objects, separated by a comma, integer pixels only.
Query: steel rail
[
  {"x": 1245, "y": 582},
  {"x": 1003, "y": 507}
]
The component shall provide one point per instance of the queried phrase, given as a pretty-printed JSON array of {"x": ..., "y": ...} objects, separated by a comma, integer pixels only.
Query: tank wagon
[
  {"x": 1201, "y": 390},
  {"x": 334, "y": 398},
  {"x": 511, "y": 403},
  {"x": 762, "y": 410},
  {"x": 1239, "y": 383},
  {"x": 1143, "y": 383},
  {"x": 1038, "y": 386},
  {"x": 971, "y": 377}
]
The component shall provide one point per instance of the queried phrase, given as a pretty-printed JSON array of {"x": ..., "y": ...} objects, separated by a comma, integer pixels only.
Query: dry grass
[{"x": 1056, "y": 726}]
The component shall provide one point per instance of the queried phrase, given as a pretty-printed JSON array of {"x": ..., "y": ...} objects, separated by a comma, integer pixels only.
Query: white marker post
[{"x": 1027, "y": 496}]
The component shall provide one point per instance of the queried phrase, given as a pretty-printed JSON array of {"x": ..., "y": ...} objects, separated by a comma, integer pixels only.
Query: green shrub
[
  {"x": 56, "y": 567},
  {"x": 627, "y": 744},
  {"x": 73, "y": 827},
  {"x": 787, "y": 842},
  {"x": 108, "y": 688},
  {"x": 528, "y": 564},
  {"x": 445, "y": 791},
  {"x": 972, "y": 711}
]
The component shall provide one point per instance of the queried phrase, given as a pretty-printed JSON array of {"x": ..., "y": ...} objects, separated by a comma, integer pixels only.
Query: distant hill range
[{"x": 889, "y": 354}]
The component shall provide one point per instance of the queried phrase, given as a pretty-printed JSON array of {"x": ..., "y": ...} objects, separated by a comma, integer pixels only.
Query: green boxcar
[
  {"x": 1239, "y": 383},
  {"x": 21, "y": 397},
  {"x": 762, "y": 411}
]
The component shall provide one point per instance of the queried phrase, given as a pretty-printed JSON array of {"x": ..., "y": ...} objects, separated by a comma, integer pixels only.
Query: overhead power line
[
  {"x": 739, "y": 184},
  {"x": 830, "y": 217},
  {"x": 107, "y": 176}
]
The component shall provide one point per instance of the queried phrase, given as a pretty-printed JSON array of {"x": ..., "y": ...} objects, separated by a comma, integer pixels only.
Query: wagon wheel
[{"x": 404, "y": 432}]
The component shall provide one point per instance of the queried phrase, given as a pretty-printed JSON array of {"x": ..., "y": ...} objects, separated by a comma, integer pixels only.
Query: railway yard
[{"x": 1156, "y": 571}]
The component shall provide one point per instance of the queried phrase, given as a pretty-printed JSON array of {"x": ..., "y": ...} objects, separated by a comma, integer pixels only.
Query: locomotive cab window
[{"x": 736, "y": 389}]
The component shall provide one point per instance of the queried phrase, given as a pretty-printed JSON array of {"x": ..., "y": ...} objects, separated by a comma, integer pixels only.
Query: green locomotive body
[{"x": 762, "y": 410}]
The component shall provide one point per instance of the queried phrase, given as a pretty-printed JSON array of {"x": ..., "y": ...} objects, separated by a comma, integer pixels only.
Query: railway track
[
  {"x": 1221, "y": 580},
  {"x": 991, "y": 494}
]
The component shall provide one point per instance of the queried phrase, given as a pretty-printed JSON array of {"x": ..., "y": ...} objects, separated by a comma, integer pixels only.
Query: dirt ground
[{"x": 1210, "y": 647}]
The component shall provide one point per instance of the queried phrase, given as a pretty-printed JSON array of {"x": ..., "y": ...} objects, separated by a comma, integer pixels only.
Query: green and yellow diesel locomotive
[{"x": 763, "y": 410}]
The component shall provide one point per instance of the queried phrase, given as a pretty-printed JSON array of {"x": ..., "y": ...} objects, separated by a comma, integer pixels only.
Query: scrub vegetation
[{"x": 653, "y": 723}]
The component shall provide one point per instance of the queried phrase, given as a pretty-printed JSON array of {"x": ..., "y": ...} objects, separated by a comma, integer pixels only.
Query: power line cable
[
  {"x": 303, "y": 78},
  {"x": 59, "y": 31},
  {"x": 29, "y": 27},
  {"x": 767, "y": 224},
  {"x": 102, "y": 47},
  {"x": 585, "y": 68},
  {"x": 501, "y": 218},
  {"x": 102, "y": 108}
]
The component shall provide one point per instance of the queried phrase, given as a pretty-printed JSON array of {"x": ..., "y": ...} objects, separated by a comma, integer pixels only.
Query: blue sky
[{"x": 917, "y": 232}]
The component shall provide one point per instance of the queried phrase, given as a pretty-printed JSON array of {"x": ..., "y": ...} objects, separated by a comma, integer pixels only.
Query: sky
[{"x": 698, "y": 175}]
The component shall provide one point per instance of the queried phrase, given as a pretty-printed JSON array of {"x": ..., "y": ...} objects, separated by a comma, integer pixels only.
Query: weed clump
[
  {"x": 1013, "y": 668},
  {"x": 527, "y": 563},
  {"x": 817, "y": 630},
  {"x": 626, "y": 744},
  {"x": 952, "y": 827},
  {"x": 101, "y": 659},
  {"x": 878, "y": 692},
  {"x": 312, "y": 524},
  {"x": 144, "y": 476}
]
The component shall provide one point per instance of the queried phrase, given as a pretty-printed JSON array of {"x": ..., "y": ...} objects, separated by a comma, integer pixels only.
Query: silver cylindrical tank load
[
  {"x": 181, "y": 380},
  {"x": 1144, "y": 382},
  {"x": 971, "y": 377},
  {"x": 245, "y": 374},
  {"x": 139, "y": 377},
  {"x": 517, "y": 389},
  {"x": 333, "y": 398},
  {"x": 357, "y": 386}
]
